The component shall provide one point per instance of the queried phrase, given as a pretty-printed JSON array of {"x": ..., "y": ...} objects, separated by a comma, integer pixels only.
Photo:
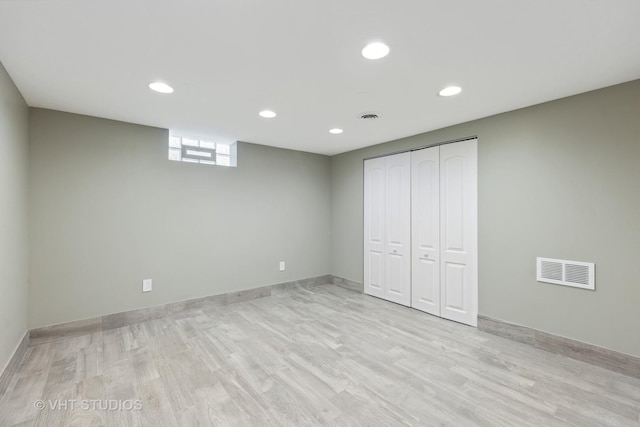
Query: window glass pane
[
  {"x": 223, "y": 149},
  {"x": 223, "y": 160},
  {"x": 194, "y": 150},
  {"x": 190, "y": 142},
  {"x": 175, "y": 154},
  {"x": 207, "y": 144},
  {"x": 199, "y": 153}
]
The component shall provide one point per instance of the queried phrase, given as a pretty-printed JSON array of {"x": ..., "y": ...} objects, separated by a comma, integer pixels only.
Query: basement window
[{"x": 192, "y": 150}]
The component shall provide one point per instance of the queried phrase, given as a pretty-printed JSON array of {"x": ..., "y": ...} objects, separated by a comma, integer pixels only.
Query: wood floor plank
[{"x": 311, "y": 355}]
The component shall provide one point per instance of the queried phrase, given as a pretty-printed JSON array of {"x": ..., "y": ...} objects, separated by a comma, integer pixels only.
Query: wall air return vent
[{"x": 568, "y": 273}]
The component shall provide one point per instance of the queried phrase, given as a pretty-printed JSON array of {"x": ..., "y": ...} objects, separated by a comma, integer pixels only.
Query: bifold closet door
[
  {"x": 458, "y": 232},
  {"x": 425, "y": 230},
  {"x": 387, "y": 228},
  {"x": 374, "y": 226}
]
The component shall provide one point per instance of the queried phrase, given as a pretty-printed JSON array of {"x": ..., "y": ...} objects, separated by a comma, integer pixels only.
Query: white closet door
[
  {"x": 387, "y": 228},
  {"x": 398, "y": 229},
  {"x": 425, "y": 230},
  {"x": 458, "y": 232},
  {"x": 374, "y": 226}
]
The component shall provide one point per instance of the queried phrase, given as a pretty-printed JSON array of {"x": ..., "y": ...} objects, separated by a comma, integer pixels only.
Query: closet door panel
[
  {"x": 454, "y": 292},
  {"x": 458, "y": 232},
  {"x": 398, "y": 229},
  {"x": 396, "y": 270},
  {"x": 376, "y": 274},
  {"x": 453, "y": 199},
  {"x": 425, "y": 230},
  {"x": 374, "y": 226},
  {"x": 395, "y": 206}
]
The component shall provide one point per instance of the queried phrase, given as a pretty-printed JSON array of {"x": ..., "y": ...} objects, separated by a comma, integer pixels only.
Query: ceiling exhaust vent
[
  {"x": 568, "y": 273},
  {"x": 369, "y": 116}
]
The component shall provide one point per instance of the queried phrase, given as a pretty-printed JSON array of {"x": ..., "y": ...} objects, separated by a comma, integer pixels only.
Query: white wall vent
[{"x": 568, "y": 273}]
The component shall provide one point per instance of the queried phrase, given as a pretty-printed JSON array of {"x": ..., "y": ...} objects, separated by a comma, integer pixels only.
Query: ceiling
[{"x": 229, "y": 59}]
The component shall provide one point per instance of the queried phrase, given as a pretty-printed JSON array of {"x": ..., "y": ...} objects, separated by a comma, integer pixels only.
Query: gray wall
[
  {"x": 108, "y": 209},
  {"x": 561, "y": 180},
  {"x": 14, "y": 148}
]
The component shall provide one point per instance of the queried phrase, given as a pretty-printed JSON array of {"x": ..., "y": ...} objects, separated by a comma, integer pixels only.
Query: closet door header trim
[{"x": 453, "y": 141}]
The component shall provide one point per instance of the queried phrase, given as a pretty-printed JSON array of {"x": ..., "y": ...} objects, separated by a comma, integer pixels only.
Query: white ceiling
[{"x": 229, "y": 59}]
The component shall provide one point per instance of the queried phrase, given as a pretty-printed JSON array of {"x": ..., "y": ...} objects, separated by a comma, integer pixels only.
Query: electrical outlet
[
  {"x": 147, "y": 285},
  {"x": 281, "y": 265}
]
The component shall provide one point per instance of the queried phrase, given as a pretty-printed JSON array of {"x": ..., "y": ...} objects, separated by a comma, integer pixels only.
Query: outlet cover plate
[{"x": 147, "y": 285}]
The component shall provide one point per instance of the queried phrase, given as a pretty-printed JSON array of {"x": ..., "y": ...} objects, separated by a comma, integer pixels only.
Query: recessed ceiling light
[
  {"x": 267, "y": 114},
  {"x": 375, "y": 50},
  {"x": 160, "y": 87},
  {"x": 450, "y": 91},
  {"x": 335, "y": 131}
]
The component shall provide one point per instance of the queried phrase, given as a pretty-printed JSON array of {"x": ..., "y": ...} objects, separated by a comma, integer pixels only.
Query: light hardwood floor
[{"x": 313, "y": 356}]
